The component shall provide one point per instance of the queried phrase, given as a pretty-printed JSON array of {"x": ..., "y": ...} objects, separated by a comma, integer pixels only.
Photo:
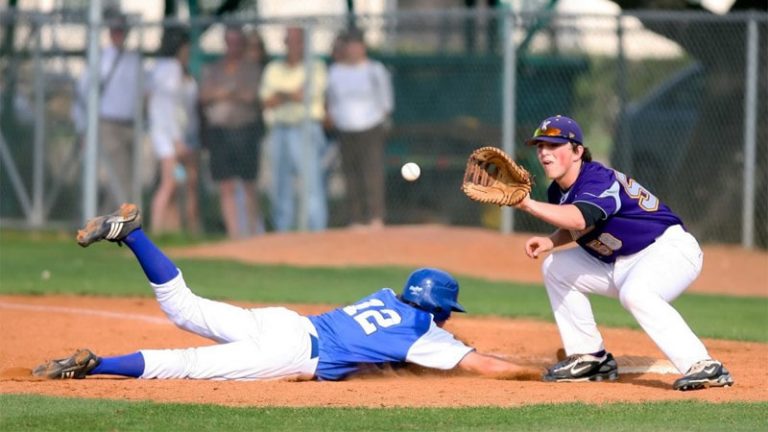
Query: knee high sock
[
  {"x": 131, "y": 365},
  {"x": 158, "y": 267}
]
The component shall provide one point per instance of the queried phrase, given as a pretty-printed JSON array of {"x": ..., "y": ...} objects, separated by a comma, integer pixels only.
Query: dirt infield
[{"x": 37, "y": 328}]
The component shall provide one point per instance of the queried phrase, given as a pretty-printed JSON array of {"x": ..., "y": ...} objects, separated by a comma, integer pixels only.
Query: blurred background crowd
[
  {"x": 245, "y": 106},
  {"x": 244, "y": 117}
]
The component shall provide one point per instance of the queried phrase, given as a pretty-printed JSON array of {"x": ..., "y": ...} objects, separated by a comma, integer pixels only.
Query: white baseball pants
[
  {"x": 644, "y": 283},
  {"x": 254, "y": 344}
]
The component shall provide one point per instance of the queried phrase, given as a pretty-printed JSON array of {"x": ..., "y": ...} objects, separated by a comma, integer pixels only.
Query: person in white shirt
[
  {"x": 174, "y": 129},
  {"x": 120, "y": 93},
  {"x": 360, "y": 102}
]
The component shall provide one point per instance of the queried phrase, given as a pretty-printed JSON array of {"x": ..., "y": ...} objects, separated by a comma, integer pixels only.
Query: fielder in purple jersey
[
  {"x": 632, "y": 247},
  {"x": 630, "y": 217},
  {"x": 277, "y": 343}
]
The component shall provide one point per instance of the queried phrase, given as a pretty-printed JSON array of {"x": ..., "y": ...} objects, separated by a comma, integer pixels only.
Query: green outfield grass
[
  {"x": 107, "y": 270},
  {"x": 41, "y": 413}
]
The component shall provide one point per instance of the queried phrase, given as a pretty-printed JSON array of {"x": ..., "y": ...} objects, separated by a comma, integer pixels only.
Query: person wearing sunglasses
[{"x": 632, "y": 247}]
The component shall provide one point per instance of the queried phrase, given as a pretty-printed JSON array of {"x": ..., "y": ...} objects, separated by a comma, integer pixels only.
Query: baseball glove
[{"x": 493, "y": 177}]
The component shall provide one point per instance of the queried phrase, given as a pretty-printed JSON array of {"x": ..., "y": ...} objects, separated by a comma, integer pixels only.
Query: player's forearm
[
  {"x": 567, "y": 217},
  {"x": 497, "y": 368}
]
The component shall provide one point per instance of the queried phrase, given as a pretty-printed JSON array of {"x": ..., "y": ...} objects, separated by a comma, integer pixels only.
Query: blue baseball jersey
[
  {"x": 632, "y": 217},
  {"x": 381, "y": 329}
]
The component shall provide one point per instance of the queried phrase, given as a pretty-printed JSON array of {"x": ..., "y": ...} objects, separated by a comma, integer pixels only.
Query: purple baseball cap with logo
[{"x": 557, "y": 130}]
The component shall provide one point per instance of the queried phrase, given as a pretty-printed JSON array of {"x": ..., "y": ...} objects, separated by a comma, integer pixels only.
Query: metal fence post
[
  {"x": 138, "y": 124},
  {"x": 750, "y": 138},
  {"x": 38, "y": 167},
  {"x": 92, "y": 129},
  {"x": 625, "y": 151},
  {"x": 508, "y": 107},
  {"x": 306, "y": 133}
]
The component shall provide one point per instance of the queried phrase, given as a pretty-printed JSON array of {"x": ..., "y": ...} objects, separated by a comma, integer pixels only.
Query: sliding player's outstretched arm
[{"x": 495, "y": 367}]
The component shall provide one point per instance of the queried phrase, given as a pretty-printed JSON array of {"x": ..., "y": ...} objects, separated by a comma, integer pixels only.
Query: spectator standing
[
  {"x": 282, "y": 95},
  {"x": 174, "y": 131},
  {"x": 229, "y": 93},
  {"x": 120, "y": 95},
  {"x": 360, "y": 102}
]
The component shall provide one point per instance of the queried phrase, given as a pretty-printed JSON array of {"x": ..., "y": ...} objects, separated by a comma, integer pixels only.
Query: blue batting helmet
[{"x": 433, "y": 291}]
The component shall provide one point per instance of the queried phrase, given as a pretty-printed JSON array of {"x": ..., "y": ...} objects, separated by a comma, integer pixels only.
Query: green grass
[
  {"x": 42, "y": 413},
  {"x": 106, "y": 270}
]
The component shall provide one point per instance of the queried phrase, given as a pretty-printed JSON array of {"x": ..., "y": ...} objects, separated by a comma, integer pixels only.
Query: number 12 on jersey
[{"x": 370, "y": 315}]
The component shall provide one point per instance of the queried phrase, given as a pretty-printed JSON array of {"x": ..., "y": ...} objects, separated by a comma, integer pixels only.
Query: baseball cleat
[
  {"x": 113, "y": 227},
  {"x": 704, "y": 374},
  {"x": 75, "y": 366},
  {"x": 583, "y": 367}
]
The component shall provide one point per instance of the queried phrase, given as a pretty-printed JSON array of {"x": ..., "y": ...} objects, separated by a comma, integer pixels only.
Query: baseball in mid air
[{"x": 410, "y": 171}]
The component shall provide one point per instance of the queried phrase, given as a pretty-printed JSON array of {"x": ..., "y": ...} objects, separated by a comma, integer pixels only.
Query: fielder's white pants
[
  {"x": 254, "y": 344},
  {"x": 644, "y": 283}
]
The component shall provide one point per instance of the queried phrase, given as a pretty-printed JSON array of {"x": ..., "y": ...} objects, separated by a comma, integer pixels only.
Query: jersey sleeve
[
  {"x": 602, "y": 193},
  {"x": 437, "y": 349}
]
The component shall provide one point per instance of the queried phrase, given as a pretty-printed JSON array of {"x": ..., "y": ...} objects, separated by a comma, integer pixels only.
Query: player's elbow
[
  {"x": 575, "y": 222},
  {"x": 573, "y": 225},
  {"x": 580, "y": 224}
]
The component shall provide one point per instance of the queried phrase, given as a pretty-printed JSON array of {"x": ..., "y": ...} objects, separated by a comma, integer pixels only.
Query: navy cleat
[
  {"x": 75, "y": 366},
  {"x": 704, "y": 374},
  {"x": 583, "y": 367},
  {"x": 113, "y": 227}
]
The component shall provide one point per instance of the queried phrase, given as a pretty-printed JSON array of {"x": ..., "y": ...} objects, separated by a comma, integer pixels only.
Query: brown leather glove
[{"x": 493, "y": 177}]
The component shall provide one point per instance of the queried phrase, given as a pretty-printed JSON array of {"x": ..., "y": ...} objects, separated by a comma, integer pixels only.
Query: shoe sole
[
  {"x": 90, "y": 233},
  {"x": 609, "y": 376},
  {"x": 723, "y": 381}
]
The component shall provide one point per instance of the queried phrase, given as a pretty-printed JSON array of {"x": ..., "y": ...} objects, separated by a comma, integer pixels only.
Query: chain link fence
[{"x": 672, "y": 99}]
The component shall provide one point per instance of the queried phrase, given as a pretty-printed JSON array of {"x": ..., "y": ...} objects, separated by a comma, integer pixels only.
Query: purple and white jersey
[
  {"x": 381, "y": 329},
  {"x": 632, "y": 216}
]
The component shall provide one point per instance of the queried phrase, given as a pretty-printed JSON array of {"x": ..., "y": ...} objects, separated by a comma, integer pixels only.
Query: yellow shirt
[{"x": 279, "y": 77}]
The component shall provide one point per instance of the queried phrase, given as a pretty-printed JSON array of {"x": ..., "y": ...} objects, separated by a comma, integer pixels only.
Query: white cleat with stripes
[{"x": 113, "y": 227}]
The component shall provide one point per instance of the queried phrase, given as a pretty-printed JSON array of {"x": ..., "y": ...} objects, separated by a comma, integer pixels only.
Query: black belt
[{"x": 315, "y": 351}]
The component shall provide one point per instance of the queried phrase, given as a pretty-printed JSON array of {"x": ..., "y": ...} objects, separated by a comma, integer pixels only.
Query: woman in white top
[
  {"x": 174, "y": 130},
  {"x": 360, "y": 102}
]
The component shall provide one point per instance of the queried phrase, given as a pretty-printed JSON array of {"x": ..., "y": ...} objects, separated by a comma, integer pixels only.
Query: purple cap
[{"x": 558, "y": 130}]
